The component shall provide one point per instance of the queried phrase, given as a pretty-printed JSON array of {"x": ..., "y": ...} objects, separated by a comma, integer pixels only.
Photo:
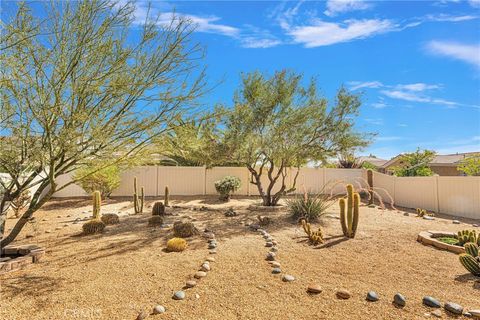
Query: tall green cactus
[
  {"x": 370, "y": 186},
  {"x": 349, "y": 212},
  {"x": 470, "y": 259},
  {"x": 138, "y": 200},
  {"x": 97, "y": 203},
  {"x": 167, "y": 196},
  {"x": 465, "y": 236}
]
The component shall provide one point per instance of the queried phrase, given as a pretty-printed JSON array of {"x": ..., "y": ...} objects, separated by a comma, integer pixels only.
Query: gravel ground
[{"x": 125, "y": 270}]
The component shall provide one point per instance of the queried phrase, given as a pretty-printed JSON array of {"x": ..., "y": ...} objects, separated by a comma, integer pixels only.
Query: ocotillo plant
[
  {"x": 138, "y": 200},
  {"x": 370, "y": 186},
  {"x": 349, "y": 212},
  {"x": 167, "y": 195}
]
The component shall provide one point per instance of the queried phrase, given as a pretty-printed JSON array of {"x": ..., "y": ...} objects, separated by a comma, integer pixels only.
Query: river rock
[
  {"x": 399, "y": 300},
  {"x": 190, "y": 283},
  {"x": 372, "y": 296},
  {"x": 276, "y": 270},
  {"x": 158, "y": 309},
  {"x": 288, "y": 278},
  {"x": 431, "y": 302},
  {"x": 314, "y": 288},
  {"x": 453, "y": 308},
  {"x": 343, "y": 294},
  {"x": 437, "y": 313},
  {"x": 179, "y": 295},
  {"x": 271, "y": 256},
  {"x": 200, "y": 274}
]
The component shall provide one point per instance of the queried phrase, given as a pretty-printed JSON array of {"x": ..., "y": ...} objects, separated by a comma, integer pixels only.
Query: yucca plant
[{"x": 310, "y": 207}]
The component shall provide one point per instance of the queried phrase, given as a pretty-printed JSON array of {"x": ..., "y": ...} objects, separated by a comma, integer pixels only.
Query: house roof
[
  {"x": 375, "y": 161},
  {"x": 439, "y": 159}
]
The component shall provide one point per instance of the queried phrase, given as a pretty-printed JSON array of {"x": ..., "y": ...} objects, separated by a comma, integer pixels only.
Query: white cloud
[
  {"x": 355, "y": 85},
  {"x": 416, "y": 97},
  {"x": 321, "y": 33},
  {"x": 463, "y": 52},
  {"x": 417, "y": 86},
  {"x": 448, "y": 18},
  {"x": 474, "y": 3},
  {"x": 253, "y": 42},
  {"x": 379, "y": 105},
  {"x": 374, "y": 121},
  {"x": 335, "y": 7}
]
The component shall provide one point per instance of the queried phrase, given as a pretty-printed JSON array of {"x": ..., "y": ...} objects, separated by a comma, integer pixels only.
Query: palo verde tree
[
  {"x": 86, "y": 84},
  {"x": 470, "y": 165},
  {"x": 276, "y": 124},
  {"x": 415, "y": 164}
]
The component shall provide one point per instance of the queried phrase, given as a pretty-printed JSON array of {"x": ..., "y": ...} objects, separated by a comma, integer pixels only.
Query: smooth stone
[
  {"x": 276, "y": 270},
  {"x": 343, "y": 294},
  {"x": 468, "y": 315},
  {"x": 190, "y": 283},
  {"x": 453, "y": 308},
  {"x": 372, "y": 296},
  {"x": 158, "y": 309},
  {"x": 210, "y": 235},
  {"x": 213, "y": 251},
  {"x": 456, "y": 222},
  {"x": 399, "y": 300},
  {"x": 268, "y": 244},
  {"x": 273, "y": 249},
  {"x": 288, "y": 278},
  {"x": 271, "y": 256},
  {"x": 211, "y": 259},
  {"x": 205, "y": 267},
  {"x": 266, "y": 236},
  {"x": 274, "y": 242},
  {"x": 475, "y": 225},
  {"x": 475, "y": 313},
  {"x": 197, "y": 296},
  {"x": 179, "y": 295},
  {"x": 212, "y": 241},
  {"x": 200, "y": 274},
  {"x": 428, "y": 218},
  {"x": 313, "y": 288},
  {"x": 437, "y": 313},
  {"x": 431, "y": 302},
  {"x": 275, "y": 264}
]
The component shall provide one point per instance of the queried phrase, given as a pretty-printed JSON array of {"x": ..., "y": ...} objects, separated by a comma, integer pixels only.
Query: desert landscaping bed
[{"x": 117, "y": 274}]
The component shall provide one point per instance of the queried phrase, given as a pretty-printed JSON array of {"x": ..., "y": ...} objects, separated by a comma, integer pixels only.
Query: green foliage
[
  {"x": 176, "y": 245},
  {"x": 277, "y": 123},
  {"x": 103, "y": 179},
  {"x": 347, "y": 160},
  {"x": 310, "y": 207},
  {"x": 78, "y": 87},
  {"x": 138, "y": 199},
  {"x": 315, "y": 237},
  {"x": 369, "y": 166},
  {"x": 448, "y": 240},
  {"x": 415, "y": 164},
  {"x": 226, "y": 186},
  {"x": 471, "y": 165},
  {"x": 469, "y": 260},
  {"x": 349, "y": 212}
]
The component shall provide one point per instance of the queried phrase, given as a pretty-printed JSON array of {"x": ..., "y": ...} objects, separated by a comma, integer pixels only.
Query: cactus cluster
[
  {"x": 167, "y": 197},
  {"x": 95, "y": 225},
  {"x": 466, "y": 236},
  {"x": 349, "y": 212},
  {"x": 138, "y": 199},
  {"x": 315, "y": 237},
  {"x": 176, "y": 245},
  {"x": 370, "y": 186},
  {"x": 422, "y": 213},
  {"x": 470, "y": 259}
]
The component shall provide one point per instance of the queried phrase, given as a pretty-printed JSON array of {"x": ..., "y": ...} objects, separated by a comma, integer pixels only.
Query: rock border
[
  {"x": 429, "y": 238},
  {"x": 28, "y": 254}
]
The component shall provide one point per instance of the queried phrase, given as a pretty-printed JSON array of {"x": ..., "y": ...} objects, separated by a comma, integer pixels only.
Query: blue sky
[{"x": 416, "y": 63}]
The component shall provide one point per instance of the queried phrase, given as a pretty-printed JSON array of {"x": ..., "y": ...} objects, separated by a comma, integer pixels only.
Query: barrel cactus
[
  {"x": 470, "y": 259},
  {"x": 95, "y": 225},
  {"x": 349, "y": 212},
  {"x": 158, "y": 209},
  {"x": 176, "y": 245},
  {"x": 110, "y": 218}
]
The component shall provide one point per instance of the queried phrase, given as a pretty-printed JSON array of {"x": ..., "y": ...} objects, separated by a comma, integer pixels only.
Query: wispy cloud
[
  {"x": 415, "y": 97},
  {"x": 418, "y": 86},
  {"x": 463, "y": 52},
  {"x": 320, "y": 33},
  {"x": 355, "y": 85},
  {"x": 374, "y": 121},
  {"x": 335, "y": 7},
  {"x": 379, "y": 105}
]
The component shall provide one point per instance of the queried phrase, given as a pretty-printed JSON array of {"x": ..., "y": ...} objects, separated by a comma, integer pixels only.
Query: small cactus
[
  {"x": 349, "y": 212},
  {"x": 370, "y": 186},
  {"x": 138, "y": 200},
  {"x": 110, "y": 218},
  {"x": 465, "y": 236},
  {"x": 167, "y": 197},
  {"x": 422, "y": 213},
  {"x": 95, "y": 225},
  {"x": 315, "y": 237},
  {"x": 155, "y": 220},
  {"x": 469, "y": 260},
  {"x": 176, "y": 245},
  {"x": 158, "y": 209},
  {"x": 97, "y": 204}
]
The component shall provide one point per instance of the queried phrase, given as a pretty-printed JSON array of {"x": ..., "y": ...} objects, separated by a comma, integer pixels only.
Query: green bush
[
  {"x": 226, "y": 186},
  {"x": 104, "y": 180},
  {"x": 310, "y": 207}
]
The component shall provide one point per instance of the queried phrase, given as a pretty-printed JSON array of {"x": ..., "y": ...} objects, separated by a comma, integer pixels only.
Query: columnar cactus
[
  {"x": 138, "y": 200},
  {"x": 95, "y": 225},
  {"x": 370, "y": 186},
  {"x": 465, "y": 236},
  {"x": 470, "y": 259},
  {"x": 315, "y": 237},
  {"x": 97, "y": 203},
  {"x": 349, "y": 212},
  {"x": 167, "y": 196}
]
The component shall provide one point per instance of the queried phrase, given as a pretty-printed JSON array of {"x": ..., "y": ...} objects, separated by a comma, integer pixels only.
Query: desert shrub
[
  {"x": 184, "y": 229},
  {"x": 226, "y": 186},
  {"x": 104, "y": 180},
  {"x": 176, "y": 245},
  {"x": 110, "y": 218},
  {"x": 310, "y": 207},
  {"x": 20, "y": 202}
]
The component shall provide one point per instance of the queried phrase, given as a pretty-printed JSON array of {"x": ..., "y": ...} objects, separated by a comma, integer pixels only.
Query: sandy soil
[{"x": 125, "y": 270}]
